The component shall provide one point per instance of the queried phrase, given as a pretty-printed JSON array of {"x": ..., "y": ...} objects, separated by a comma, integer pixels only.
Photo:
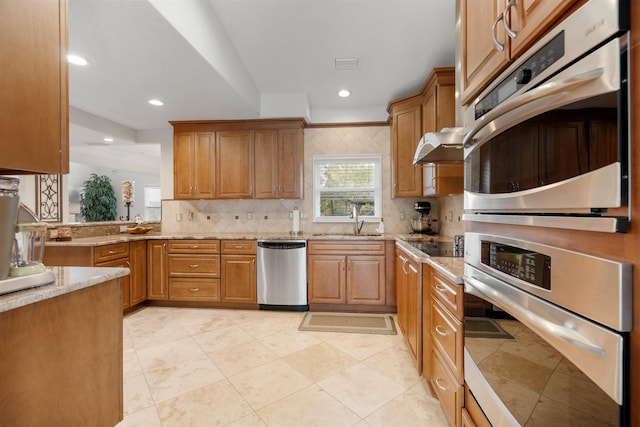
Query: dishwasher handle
[{"x": 282, "y": 245}]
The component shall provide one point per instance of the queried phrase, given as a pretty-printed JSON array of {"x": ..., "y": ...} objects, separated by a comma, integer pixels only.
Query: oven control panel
[{"x": 530, "y": 266}]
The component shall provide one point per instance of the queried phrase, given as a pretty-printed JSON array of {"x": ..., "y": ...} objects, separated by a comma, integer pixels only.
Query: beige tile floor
[{"x": 211, "y": 367}]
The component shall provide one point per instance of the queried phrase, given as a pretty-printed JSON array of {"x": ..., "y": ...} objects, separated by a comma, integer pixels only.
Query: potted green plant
[{"x": 98, "y": 200}]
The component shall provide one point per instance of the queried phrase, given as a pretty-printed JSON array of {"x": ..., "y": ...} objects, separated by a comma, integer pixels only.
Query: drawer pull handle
[
  {"x": 194, "y": 289},
  {"x": 194, "y": 265},
  {"x": 237, "y": 246},
  {"x": 440, "y": 386},
  {"x": 441, "y": 331},
  {"x": 112, "y": 252},
  {"x": 193, "y": 246}
]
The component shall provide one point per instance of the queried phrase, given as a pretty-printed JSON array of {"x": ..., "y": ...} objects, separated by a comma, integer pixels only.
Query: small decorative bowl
[{"x": 139, "y": 229}]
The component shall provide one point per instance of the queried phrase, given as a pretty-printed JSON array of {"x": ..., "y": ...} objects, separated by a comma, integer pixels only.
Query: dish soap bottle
[{"x": 381, "y": 226}]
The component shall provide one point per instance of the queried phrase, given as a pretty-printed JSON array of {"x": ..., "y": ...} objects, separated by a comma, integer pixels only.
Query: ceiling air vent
[{"x": 346, "y": 63}]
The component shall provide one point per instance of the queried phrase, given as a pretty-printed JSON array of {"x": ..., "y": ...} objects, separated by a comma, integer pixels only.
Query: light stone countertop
[
  {"x": 451, "y": 267},
  {"x": 68, "y": 279}
]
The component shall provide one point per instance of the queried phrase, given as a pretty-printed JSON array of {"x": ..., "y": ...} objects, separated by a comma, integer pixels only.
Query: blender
[
  {"x": 22, "y": 240},
  {"x": 423, "y": 224}
]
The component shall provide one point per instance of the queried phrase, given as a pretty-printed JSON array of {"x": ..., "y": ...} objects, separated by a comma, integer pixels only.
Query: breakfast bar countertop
[{"x": 68, "y": 279}]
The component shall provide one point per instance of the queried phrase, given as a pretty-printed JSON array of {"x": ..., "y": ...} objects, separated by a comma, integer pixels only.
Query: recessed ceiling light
[
  {"x": 156, "y": 102},
  {"x": 344, "y": 93},
  {"x": 107, "y": 139},
  {"x": 77, "y": 60}
]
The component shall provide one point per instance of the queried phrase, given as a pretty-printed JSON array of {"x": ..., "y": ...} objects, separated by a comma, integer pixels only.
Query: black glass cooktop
[{"x": 435, "y": 249}]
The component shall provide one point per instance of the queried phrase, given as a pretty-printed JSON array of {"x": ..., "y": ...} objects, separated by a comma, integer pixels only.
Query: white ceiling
[{"x": 234, "y": 59}]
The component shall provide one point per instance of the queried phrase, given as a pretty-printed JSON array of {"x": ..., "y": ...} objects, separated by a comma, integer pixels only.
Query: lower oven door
[{"x": 529, "y": 362}]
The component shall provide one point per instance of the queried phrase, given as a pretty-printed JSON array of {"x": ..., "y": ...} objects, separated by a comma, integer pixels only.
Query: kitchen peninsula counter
[{"x": 61, "y": 360}]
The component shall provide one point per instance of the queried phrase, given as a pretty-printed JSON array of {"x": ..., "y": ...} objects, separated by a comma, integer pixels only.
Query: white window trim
[{"x": 323, "y": 158}]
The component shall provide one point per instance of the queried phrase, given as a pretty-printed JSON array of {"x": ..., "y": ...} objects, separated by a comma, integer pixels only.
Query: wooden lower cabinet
[
  {"x": 131, "y": 255},
  {"x": 238, "y": 272},
  {"x": 194, "y": 270},
  {"x": 61, "y": 360},
  {"x": 444, "y": 334},
  {"x": 472, "y": 414},
  {"x": 409, "y": 301},
  {"x": 157, "y": 270},
  {"x": 138, "y": 275},
  {"x": 447, "y": 388},
  {"x": 348, "y": 275}
]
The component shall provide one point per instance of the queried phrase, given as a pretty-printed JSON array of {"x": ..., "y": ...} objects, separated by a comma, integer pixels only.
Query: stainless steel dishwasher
[{"x": 282, "y": 275}]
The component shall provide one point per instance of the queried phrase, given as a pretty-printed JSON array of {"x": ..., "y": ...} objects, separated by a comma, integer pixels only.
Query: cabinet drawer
[
  {"x": 241, "y": 247},
  {"x": 110, "y": 252},
  {"x": 191, "y": 289},
  {"x": 449, "y": 293},
  {"x": 448, "y": 389},
  {"x": 447, "y": 335},
  {"x": 194, "y": 246},
  {"x": 355, "y": 247},
  {"x": 194, "y": 265}
]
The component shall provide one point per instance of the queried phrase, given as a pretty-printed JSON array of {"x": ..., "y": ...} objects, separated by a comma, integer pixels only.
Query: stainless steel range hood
[{"x": 440, "y": 147}]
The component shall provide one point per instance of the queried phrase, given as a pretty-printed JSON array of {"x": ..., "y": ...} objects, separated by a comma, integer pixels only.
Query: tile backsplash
[{"x": 274, "y": 216}]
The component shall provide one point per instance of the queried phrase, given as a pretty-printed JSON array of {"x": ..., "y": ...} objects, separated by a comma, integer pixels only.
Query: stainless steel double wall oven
[{"x": 547, "y": 145}]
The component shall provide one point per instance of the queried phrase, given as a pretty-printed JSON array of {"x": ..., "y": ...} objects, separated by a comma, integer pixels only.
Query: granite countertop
[
  {"x": 451, "y": 267},
  {"x": 68, "y": 279},
  {"x": 154, "y": 235}
]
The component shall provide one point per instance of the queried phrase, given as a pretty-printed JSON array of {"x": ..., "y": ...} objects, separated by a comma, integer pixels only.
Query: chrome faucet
[{"x": 354, "y": 215}]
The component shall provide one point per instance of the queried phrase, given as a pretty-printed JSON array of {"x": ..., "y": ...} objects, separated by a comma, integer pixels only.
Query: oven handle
[
  {"x": 478, "y": 288},
  {"x": 543, "y": 91}
]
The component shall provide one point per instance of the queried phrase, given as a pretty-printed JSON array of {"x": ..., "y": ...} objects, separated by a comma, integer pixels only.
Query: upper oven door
[{"x": 560, "y": 147}]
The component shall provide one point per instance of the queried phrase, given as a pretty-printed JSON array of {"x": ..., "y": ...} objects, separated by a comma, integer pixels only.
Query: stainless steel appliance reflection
[
  {"x": 547, "y": 143},
  {"x": 565, "y": 351}
]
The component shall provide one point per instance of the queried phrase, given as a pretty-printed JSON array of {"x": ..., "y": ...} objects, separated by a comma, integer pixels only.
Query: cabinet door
[
  {"x": 204, "y": 166},
  {"x": 138, "y": 265},
  {"x": 290, "y": 163},
  {"x": 266, "y": 164},
  {"x": 414, "y": 320},
  {"x": 34, "y": 129},
  {"x": 443, "y": 179},
  {"x": 238, "y": 283},
  {"x": 426, "y": 322},
  {"x": 530, "y": 18},
  {"x": 183, "y": 165},
  {"x": 401, "y": 290},
  {"x": 235, "y": 167},
  {"x": 157, "y": 271},
  {"x": 366, "y": 280},
  {"x": 125, "y": 281},
  {"x": 481, "y": 60},
  {"x": 326, "y": 275},
  {"x": 406, "y": 132}
]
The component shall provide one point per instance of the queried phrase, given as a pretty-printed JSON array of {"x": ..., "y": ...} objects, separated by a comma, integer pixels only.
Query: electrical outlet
[
  {"x": 178, "y": 217},
  {"x": 123, "y": 228},
  {"x": 53, "y": 233},
  {"x": 249, "y": 216}
]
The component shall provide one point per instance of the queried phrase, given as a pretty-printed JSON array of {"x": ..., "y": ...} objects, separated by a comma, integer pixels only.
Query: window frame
[{"x": 348, "y": 158}]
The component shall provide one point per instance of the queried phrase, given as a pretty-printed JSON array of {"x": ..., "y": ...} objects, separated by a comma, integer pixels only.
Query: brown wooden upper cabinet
[
  {"x": 238, "y": 159},
  {"x": 412, "y": 116},
  {"x": 486, "y": 45},
  {"x": 34, "y": 125}
]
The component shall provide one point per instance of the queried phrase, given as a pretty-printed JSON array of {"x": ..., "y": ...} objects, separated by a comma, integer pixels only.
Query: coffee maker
[
  {"x": 22, "y": 241},
  {"x": 424, "y": 224}
]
